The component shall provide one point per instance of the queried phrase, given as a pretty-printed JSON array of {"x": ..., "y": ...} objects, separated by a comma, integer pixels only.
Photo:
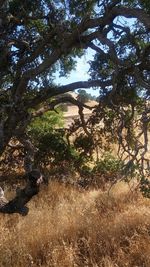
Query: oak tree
[{"x": 41, "y": 38}]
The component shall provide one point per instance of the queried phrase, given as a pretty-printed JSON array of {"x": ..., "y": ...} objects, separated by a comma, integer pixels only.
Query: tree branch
[
  {"x": 133, "y": 13},
  {"x": 52, "y": 104},
  {"x": 49, "y": 92},
  {"x": 68, "y": 42},
  {"x": 66, "y": 99},
  {"x": 23, "y": 196}
]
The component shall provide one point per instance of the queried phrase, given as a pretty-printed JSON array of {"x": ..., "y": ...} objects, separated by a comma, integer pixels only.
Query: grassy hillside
[{"x": 69, "y": 227}]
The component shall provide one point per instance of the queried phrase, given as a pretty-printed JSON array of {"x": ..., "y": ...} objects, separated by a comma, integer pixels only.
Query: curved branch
[
  {"x": 56, "y": 102},
  {"x": 133, "y": 13},
  {"x": 70, "y": 99},
  {"x": 51, "y": 91},
  {"x": 70, "y": 40}
]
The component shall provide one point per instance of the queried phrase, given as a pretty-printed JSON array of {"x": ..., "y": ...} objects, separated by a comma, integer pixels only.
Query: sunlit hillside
[
  {"x": 68, "y": 227},
  {"x": 72, "y": 111}
]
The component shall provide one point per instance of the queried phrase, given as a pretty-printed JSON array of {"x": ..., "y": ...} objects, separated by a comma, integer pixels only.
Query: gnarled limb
[{"x": 23, "y": 196}]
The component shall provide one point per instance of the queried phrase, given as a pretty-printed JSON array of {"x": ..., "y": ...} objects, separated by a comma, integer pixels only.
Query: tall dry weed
[{"x": 67, "y": 227}]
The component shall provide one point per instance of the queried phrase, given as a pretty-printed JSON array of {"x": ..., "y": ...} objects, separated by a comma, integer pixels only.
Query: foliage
[
  {"x": 45, "y": 124},
  {"x": 84, "y": 144},
  {"x": 145, "y": 186},
  {"x": 84, "y": 97},
  {"x": 52, "y": 148},
  {"x": 49, "y": 141},
  {"x": 109, "y": 166},
  {"x": 41, "y": 40}
]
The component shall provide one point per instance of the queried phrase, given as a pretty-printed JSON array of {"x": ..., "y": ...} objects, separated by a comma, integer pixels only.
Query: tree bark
[{"x": 23, "y": 196}]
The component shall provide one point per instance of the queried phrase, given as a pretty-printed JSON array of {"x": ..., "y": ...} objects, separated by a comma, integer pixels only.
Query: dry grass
[{"x": 67, "y": 227}]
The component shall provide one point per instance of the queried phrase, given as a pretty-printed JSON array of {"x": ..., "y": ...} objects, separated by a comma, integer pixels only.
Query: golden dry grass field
[{"x": 70, "y": 227}]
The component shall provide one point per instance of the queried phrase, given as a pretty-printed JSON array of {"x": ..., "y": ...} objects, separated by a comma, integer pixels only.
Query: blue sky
[
  {"x": 81, "y": 72},
  {"x": 82, "y": 67}
]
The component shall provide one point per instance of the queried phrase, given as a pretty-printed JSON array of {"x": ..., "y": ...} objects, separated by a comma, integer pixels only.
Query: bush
[
  {"x": 109, "y": 166},
  {"x": 49, "y": 141},
  {"x": 84, "y": 144},
  {"x": 45, "y": 125},
  {"x": 145, "y": 186},
  {"x": 53, "y": 148}
]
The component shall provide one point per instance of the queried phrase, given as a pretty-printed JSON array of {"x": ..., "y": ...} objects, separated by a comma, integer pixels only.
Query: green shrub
[
  {"x": 145, "y": 186},
  {"x": 45, "y": 124},
  {"x": 53, "y": 148},
  {"x": 48, "y": 139},
  {"x": 84, "y": 144},
  {"x": 109, "y": 165}
]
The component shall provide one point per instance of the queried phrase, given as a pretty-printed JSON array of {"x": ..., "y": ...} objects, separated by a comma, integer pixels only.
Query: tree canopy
[
  {"x": 84, "y": 97},
  {"x": 40, "y": 38}
]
